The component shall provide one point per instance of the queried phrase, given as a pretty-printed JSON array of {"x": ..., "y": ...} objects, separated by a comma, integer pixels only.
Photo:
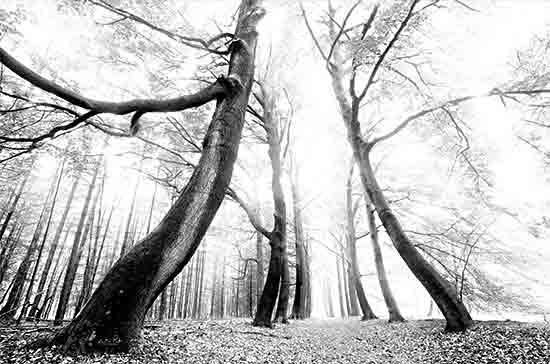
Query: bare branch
[
  {"x": 253, "y": 217},
  {"x": 218, "y": 89},
  {"x": 390, "y": 45},
  {"x": 453, "y": 102}
]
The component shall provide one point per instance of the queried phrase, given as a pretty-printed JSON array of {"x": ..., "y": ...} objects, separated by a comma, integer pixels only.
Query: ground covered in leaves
[{"x": 310, "y": 341}]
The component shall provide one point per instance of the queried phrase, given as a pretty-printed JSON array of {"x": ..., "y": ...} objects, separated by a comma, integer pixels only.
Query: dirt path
[{"x": 312, "y": 341}]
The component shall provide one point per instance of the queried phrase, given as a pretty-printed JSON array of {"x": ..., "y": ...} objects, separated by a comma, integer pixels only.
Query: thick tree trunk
[
  {"x": 272, "y": 283},
  {"x": 259, "y": 265},
  {"x": 393, "y": 309},
  {"x": 456, "y": 314},
  {"x": 282, "y": 303},
  {"x": 114, "y": 314}
]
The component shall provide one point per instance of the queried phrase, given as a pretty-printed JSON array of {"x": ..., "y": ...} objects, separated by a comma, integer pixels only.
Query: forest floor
[{"x": 309, "y": 341}]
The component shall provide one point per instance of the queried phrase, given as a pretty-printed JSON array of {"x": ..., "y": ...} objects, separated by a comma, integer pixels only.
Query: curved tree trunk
[
  {"x": 272, "y": 282},
  {"x": 456, "y": 314},
  {"x": 278, "y": 273},
  {"x": 113, "y": 317},
  {"x": 393, "y": 309}
]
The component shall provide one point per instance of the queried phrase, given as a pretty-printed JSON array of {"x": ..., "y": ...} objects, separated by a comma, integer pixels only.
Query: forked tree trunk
[
  {"x": 393, "y": 309},
  {"x": 284, "y": 292},
  {"x": 115, "y": 313},
  {"x": 456, "y": 314}
]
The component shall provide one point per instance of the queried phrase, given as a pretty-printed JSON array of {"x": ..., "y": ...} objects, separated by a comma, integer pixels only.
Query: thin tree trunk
[
  {"x": 53, "y": 247},
  {"x": 201, "y": 282},
  {"x": 126, "y": 244},
  {"x": 14, "y": 299},
  {"x": 222, "y": 294},
  {"x": 13, "y": 205},
  {"x": 214, "y": 286},
  {"x": 55, "y": 185},
  {"x": 343, "y": 312},
  {"x": 72, "y": 265},
  {"x": 351, "y": 240},
  {"x": 9, "y": 248},
  {"x": 298, "y": 307},
  {"x": 391, "y": 304}
]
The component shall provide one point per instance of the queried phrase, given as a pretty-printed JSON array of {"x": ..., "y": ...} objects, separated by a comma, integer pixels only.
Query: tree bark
[
  {"x": 393, "y": 310},
  {"x": 277, "y": 276},
  {"x": 457, "y": 316},
  {"x": 282, "y": 303},
  {"x": 114, "y": 314}
]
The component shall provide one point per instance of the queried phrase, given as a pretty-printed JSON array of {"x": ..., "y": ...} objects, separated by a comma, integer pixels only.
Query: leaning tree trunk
[
  {"x": 393, "y": 309},
  {"x": 456, "y": 314},
  {"x": 115, "y": 313},
  {"x": 272, "y": 282},
  {"x": 351, "y": 241}
]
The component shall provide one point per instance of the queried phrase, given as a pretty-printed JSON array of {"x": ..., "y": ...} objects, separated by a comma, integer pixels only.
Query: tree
[
  {"x": 277, "y": 281},
  {"x": 351, "y": 246},
  {"x": 114, "y": 314},
  {"x": 376, "y": 46}
]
